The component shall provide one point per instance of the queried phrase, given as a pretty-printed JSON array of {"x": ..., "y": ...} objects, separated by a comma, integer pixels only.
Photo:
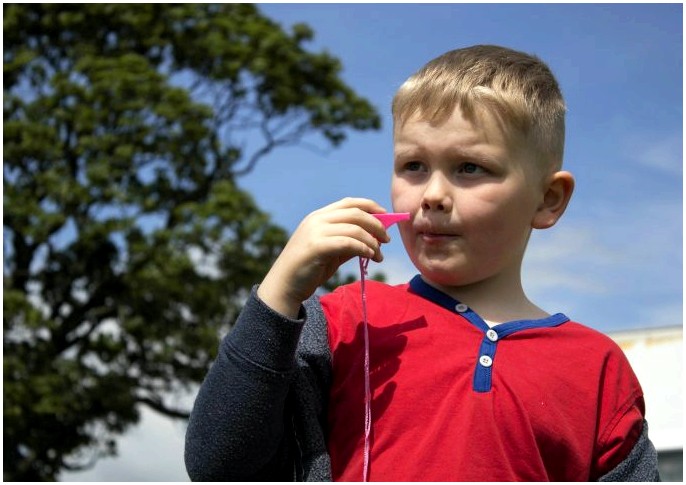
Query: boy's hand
[{"x": 323, "y": 241}]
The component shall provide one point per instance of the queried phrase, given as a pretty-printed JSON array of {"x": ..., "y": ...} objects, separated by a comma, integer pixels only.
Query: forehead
[{"x": 482, "y": 130}]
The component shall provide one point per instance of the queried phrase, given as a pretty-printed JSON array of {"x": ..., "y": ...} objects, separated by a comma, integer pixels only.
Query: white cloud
[
  {"x": 151, "y": 451},
  {"x": 664, "y": 153},
  {"x": 642, "y": 243},
  {"x": 670, "y": 314},
  {"x": 615, "y": 268},
  {"x": 566, "y": 259}
]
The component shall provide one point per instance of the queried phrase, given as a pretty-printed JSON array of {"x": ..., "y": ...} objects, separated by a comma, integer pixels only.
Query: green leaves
[{"x": 129, "y": 246}]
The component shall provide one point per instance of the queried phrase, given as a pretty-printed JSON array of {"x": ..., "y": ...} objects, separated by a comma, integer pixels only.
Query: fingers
[
  {"x": 355, "y": 211},
  {"x": 323, "y": 241},
  {"x": 348, "y": 239},
  {"x": 363, "y": 220},
  {"x": 366, "y": 205}
]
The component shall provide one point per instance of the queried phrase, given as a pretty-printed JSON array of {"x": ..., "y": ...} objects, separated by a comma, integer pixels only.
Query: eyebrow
[{"x": 413, "y": 149}]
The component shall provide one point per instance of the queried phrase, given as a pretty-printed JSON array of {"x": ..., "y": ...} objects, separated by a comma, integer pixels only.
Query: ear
[{"x": 557, "y": 193}]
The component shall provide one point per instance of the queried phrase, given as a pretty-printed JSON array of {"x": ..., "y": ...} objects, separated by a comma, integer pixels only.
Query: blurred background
[{"x": 156, "y": 157}]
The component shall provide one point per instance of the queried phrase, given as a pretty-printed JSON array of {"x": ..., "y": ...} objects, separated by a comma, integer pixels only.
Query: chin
[
  {"x": 449, "y": 280},
  {"x": 444, "y": 275}
]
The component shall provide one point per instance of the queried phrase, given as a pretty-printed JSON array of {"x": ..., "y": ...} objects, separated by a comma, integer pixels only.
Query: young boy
[{"x": 470, "y": 380}]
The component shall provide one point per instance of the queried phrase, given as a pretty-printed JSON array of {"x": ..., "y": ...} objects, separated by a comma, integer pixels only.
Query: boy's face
[{"x": 472, "y": 198}]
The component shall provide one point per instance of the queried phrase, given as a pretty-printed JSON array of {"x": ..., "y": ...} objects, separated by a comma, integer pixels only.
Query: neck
[{"x": 496, "y": 300}]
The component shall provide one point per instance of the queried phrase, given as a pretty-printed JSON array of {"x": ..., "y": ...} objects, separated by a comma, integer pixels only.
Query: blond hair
[{"x": 518, "y": 88}]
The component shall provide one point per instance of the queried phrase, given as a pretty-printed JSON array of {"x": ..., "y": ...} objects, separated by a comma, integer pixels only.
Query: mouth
[
  {"x": 435, "y": 234},
  {"x": 431, "y": 237}
]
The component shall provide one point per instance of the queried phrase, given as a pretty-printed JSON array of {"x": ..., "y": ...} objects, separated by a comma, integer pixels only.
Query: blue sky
[{"x": 614, "y": 262}]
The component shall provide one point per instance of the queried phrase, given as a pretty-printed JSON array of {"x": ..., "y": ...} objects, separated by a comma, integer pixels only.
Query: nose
[{"x": 437, "y": 196}]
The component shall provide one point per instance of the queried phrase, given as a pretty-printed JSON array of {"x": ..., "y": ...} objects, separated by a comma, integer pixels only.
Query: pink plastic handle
[
  {"x": 388, "y": 220},
  {"x": 391, "y": 218}
]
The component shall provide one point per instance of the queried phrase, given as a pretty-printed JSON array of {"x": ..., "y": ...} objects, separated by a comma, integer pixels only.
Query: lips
[
  {"x": 432, "y": 232},
  {"x": 430, "y": 238}
]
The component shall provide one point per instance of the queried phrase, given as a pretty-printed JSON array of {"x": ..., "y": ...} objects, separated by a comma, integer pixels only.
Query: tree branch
[{"x": 157, "y": 405}]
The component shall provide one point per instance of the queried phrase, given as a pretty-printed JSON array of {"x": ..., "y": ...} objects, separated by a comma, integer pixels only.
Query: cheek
[
  {"x": 498, "y": 217},
  {"x": 402, "y": 198}
]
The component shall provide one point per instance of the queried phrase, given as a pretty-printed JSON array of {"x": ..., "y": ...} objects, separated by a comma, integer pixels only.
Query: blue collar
[
  {"x": 485, "y": 359},
  {"x": 423, "y": 289}
]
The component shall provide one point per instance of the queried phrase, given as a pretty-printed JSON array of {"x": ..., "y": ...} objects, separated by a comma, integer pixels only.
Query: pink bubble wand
[{"x": 387, "y": 220}]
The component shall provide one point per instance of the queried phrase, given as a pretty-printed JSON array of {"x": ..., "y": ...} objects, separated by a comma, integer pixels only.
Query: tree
[{"x": 128, "y": 244}]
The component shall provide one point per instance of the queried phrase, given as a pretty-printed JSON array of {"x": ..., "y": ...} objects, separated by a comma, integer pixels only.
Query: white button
[
  {"x": 461, "y": 307},
  {"x": 492, "y": 335},
  {"x": 485, "y": 360}
]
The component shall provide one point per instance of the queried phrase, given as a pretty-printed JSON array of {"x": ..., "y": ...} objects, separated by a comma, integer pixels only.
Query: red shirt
[{"x": 453, "y": 400}]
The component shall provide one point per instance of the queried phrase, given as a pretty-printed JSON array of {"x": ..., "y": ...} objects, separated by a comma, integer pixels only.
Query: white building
[{"x": 656, "y": 355}]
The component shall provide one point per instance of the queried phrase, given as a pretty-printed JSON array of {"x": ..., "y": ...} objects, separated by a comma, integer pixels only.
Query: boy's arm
[
  {"x": 639, "y": 466},
  {"x": 239, "y": 428}
]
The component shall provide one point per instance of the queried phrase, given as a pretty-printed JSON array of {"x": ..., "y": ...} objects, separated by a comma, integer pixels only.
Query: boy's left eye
[
  {"x": 470, "y": 168},
  {"x": 413, "y": 166}
]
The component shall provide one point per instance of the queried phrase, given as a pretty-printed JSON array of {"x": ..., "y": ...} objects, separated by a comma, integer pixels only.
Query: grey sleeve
[
  {"x": 312, "y": 385},
  {"x": 241, "y": 424},
  {"x": 639, "y": 466}
]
